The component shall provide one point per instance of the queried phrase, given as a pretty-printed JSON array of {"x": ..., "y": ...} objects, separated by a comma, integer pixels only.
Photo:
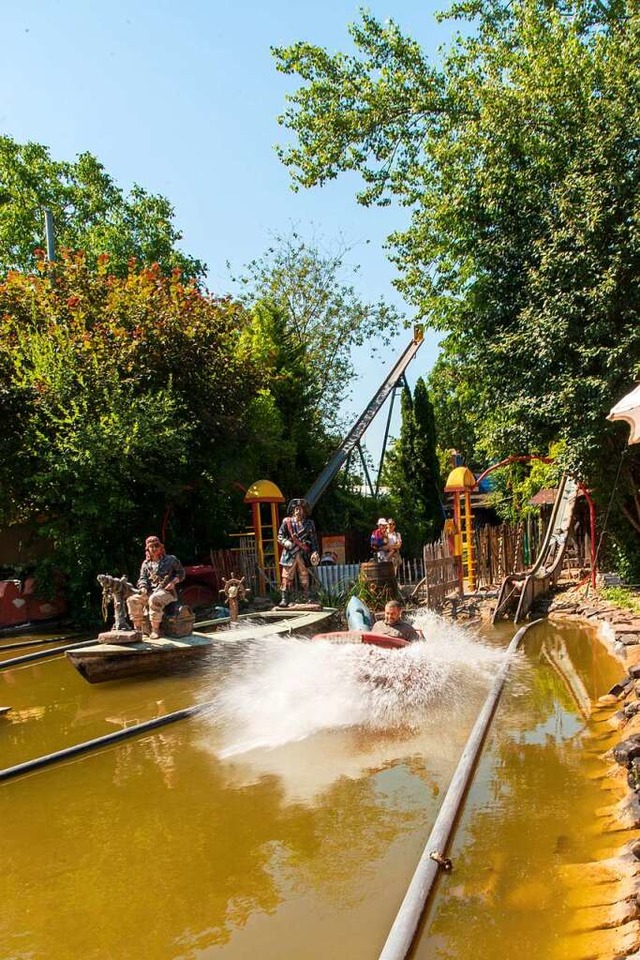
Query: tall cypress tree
[
  {"x": 412, "y": 472},
  {"x": 426, "y": 468}
]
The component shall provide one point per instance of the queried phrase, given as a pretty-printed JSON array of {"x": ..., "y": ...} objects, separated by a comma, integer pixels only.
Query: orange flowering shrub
[{"x": 122, "y": 398}]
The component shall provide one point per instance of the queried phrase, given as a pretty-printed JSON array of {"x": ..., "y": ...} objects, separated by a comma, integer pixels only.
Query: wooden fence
[
  {"x": 499, "y": 551},
  {"x": 441, "y": 577},
  {"x": 242, "y": 562},
  {"x": 336, "y": 580},
  {"x": 434, "y": 577}
]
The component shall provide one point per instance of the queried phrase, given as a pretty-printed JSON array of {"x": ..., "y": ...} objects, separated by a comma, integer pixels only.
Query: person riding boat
[{"x": 393, "y": 625}]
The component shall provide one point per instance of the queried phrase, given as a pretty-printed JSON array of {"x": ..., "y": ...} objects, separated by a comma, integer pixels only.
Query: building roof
[{"x": 544, "y": 497}]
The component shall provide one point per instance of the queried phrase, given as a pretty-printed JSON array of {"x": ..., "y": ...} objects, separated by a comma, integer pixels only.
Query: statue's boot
[
  {"x": 139, "y": 624},
  {"x": 284, "y": 602},
  {"x": 155, "y": 630}
]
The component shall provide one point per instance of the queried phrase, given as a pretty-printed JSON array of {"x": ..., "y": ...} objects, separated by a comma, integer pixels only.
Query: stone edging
[{"x": 616, "y": 924}]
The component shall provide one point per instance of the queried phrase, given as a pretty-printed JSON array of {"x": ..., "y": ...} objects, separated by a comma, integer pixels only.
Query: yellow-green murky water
[{"x": 288, "y": 820}]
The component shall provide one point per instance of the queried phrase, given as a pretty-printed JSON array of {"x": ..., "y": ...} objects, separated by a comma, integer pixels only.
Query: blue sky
[{"x": 182, "y": 98}]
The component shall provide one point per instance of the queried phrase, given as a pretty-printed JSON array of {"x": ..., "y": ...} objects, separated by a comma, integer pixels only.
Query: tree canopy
[
  {"x": 128, "y": 395},
  {"x": 518, "y": 161},
  {"x": 323, "y": 316},
  {"x": 90, "y": 213}
]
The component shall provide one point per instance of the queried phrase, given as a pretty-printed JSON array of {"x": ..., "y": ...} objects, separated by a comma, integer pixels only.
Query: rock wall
[{"x": 607, "y": 892}]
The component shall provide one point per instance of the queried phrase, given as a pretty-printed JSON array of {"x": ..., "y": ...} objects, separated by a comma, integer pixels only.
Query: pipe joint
[{"x": 444, "y": 862}]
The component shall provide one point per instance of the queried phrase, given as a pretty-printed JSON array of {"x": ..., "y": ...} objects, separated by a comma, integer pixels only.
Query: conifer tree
[
  {"x": 425, "y": 463},
  {"x": 412, "y": 473}
]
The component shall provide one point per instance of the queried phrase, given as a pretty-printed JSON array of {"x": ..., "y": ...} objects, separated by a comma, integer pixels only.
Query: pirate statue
[
  {"x": 160, "y": 574},
  {"x": 297, "y": 536}
]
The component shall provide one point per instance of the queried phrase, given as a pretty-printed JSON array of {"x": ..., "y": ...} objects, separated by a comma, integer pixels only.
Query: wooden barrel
[{"x": 380, "y": 577}]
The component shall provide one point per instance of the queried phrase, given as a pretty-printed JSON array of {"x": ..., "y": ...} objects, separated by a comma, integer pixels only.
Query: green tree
[
  {"x": 292, "y": 444},
  {"x": 412, "y": 472},
  {"x": 517, "y": 159},
  {"x": 131, "y": 394},
  {"x": 324, "y": 317},
  {"x": 90, "y": 213},
  {"x": 425, "y": 463}
]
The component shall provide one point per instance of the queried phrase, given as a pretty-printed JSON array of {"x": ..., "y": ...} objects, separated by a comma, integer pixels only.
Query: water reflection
[{"x": 531, "y": 811}]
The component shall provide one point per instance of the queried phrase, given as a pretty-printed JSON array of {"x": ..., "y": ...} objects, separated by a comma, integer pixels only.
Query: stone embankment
[
  {"x": 606, "y": 892},
  {"x": 609, "y": 890}
]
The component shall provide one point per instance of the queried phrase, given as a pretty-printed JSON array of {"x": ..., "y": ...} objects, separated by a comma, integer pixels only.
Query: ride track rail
[
  {"x": 68, "y": 753},
  {"x": 546, "y": 569}
]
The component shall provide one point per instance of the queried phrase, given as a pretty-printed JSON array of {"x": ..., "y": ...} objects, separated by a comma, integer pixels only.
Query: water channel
[{"x": 287, "y": 820}]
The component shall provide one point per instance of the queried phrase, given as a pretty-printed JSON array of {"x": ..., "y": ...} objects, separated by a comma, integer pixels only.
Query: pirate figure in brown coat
[{"x": 297, "y": 536}]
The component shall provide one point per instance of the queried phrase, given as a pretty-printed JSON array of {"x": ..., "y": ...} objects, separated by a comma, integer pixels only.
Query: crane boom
[{"x": 360, "y": 426}]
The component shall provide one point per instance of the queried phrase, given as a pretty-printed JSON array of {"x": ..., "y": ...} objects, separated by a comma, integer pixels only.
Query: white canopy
[{"x": 628, "y": 409}]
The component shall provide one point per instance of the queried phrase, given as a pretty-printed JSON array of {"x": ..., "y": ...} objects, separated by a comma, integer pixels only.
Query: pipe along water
[
  {"x": 69, "y": 752},
  {"x": 41, "y": 654},
  {"x": 404, "y": 927},
  {"x": 19, "y": 644},
  {"x": 52, "y": 651}
]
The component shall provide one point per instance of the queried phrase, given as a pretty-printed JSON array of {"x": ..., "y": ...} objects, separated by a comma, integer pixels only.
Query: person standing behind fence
[
  {"x": 379, "y": 541},
  {"x": 394, "y": 544}
]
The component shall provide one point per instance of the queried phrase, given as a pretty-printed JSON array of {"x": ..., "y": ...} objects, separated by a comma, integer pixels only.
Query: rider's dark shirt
[
  {"x": 157, "y": 573},
  {"x": 401, "y": 629}
]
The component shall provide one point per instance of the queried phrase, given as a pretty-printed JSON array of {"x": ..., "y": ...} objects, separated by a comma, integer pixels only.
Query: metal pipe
[
  {"x": 19, "y": 644},
  {"x": 404, "y": 927},
  {"x": 68, "y": 752},
  {"x": 41, "y": 654}
]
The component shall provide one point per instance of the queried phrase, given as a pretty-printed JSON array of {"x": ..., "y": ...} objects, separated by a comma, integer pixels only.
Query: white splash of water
[{"x": 284, "y": 690}]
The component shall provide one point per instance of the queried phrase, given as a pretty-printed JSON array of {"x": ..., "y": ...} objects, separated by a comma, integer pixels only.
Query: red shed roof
[{"x": 543, "y": 497}]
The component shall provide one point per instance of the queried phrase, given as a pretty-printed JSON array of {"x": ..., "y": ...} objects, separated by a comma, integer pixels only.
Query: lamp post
[{"x": 49, "y": 234}]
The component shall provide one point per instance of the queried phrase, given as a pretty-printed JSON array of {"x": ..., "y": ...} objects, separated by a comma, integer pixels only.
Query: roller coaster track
[
  {"x": 520, "y": 590},
  {"x": 353, "y": 438}
]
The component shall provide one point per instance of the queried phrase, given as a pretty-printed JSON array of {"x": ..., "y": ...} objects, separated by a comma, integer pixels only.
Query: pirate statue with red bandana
[
  {"x": 297, "y": 536},
  {"x": 160, "y": 575}
]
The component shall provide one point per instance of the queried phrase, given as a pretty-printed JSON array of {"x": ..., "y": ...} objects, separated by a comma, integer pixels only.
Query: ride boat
[
  {"x": 106, "y": 660},
  {"x": 360, "y": 620}
]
